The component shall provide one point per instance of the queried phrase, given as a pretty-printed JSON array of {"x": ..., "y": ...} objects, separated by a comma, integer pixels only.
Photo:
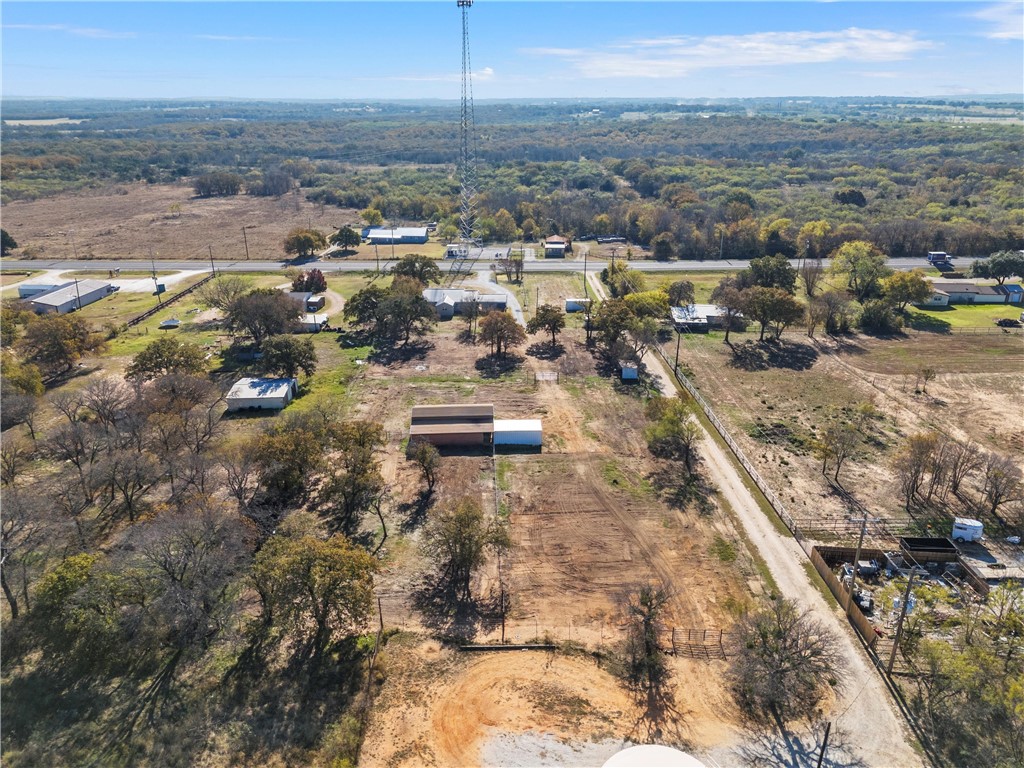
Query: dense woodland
[{"x": 736, "y": 179}]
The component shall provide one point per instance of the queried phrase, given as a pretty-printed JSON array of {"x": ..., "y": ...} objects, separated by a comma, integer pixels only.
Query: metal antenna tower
[{"x": 467, "y": 155}]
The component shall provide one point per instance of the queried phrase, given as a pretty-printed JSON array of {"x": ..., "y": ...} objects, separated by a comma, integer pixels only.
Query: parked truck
[
  {"x": 967, "y": 529},
  {"x": 939, "y": 257}
]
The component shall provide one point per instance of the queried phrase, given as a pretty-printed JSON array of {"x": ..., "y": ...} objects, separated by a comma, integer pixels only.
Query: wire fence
[{"x": 769, "y": 494}]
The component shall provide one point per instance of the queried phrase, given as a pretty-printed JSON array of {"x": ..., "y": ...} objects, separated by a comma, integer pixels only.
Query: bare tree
[
  {"x": 837, "y": 445},
  {"x": 23, "y": 528},
  {"x": 837, "y": 311},
  {"x": 242, "y": 472},
  {"x": 811, "y": 271},
  {"x": 964, "y": 460},
  {"x": 1002, "y": 481},
  {"x": 814, "y": 315},
  {"x": 222, "y": 291},
  {"x": 787, "y": 662},
  {"x": 68, "y": 403},
  {"x": 12, "y": 460},
  {"x": 129, "y": 475},
  {"x": 108, "y": 399},
  {"x": 911, "y": 464},
  {"x": 646, "y": 667},
  {"x": 428, "y": 459}
]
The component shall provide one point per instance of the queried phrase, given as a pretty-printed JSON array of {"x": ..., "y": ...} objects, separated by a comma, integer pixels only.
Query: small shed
[
  {"x": 309, "y": 301},
  {"x": 518, "y": 432},
  {"x": 629, "y": 371},
  {"x": 310, "y": 323},
  {"x": 555, "y": 247},
  {"x": 577, "y": 305},
  {"x": 252, "y": 394}
]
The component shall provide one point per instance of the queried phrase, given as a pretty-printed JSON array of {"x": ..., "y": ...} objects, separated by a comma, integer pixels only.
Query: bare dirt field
[
  {"x": 129, "y": 220},
  {"x": 440, "y": 707},
  {"x": 778, "y": 400}
]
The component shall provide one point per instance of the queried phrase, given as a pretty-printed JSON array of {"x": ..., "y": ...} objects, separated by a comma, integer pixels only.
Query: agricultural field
[{"x": 780, "y": 399}]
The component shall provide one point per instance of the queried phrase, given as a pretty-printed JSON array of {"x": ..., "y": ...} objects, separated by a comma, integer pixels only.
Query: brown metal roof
[
  {"x": 467, "y": 412},
  {"x": 453, "y": 428}
]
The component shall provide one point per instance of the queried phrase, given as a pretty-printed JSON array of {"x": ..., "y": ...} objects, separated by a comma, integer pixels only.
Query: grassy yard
[{"x": 960, "y": 316}]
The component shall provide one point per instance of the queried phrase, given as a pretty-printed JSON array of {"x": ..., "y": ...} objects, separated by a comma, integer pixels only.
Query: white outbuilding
[
  {"x": 262, "y": 394},
  {"x": 70, "y": 296},
  {"x": 518, "y": 432}
]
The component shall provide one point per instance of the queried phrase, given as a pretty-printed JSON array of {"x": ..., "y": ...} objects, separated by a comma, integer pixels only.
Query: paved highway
[{"x": 345, "y": 265}]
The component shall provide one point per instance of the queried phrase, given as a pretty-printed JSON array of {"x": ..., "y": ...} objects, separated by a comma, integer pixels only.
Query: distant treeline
[{"x": 731, "y": 178}]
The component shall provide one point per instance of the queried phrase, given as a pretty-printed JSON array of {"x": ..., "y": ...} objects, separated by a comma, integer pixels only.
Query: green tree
[
  {"x": 505, "y": 229},
  {"x": 7, "y": 243},
  {"x": 878, "y": 316},
  {"x": 501, "y": 332},
  {"x": 729, "y": 296},
  {"x": 663, "y": 246},
  {"x": 674, "y": 435},
  {"x": 287, "y": 355},
  {"x": 428, "y": 459},
  {"x": 903, "y": 288},
  {"x": 787, "y": 662},
  {"x": 1000, "y": 266},
  {"x": 812, "y": 240},
  {"x": 55, "y": 342},
  {"x": 166, "y": 355},
  {"x": 612, "y": 319},
  {"x": 458, "y": 539},
  {"x": 372, "y": 217},
  {"x": 648, "y": 304},
  {"x": 421, "y": 268},
  {"x": 217, "y": 184},
  {"x": 548, "y": 318},
  {"x": 681, "y": 293},
  {"x": 771, "y": 307},
  {"x": 304, "y": 242},
  {"x": 355, "y": 484},
  {"x": 346, "y": 238},
  {"x": 773, "y": 272},
  {"x": 320, "y": 590},
  {"x": 646, "y": 667},
  {"x": 263, "y": 312},
  {"x": 863, "y": 265},
  {"x": 288, "y": 455}
]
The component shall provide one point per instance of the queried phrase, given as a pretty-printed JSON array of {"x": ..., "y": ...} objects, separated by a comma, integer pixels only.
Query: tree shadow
[
  {"x": 494, "y": 366},
  {"x": 763, "y": 355},
  {"x": 444, "y": 609},
  {"x": 414, "y": 513},
  {"x": 404, "y": 353},
  {"x": 771, "y": 745},
  {"x": 683, "y": 490},
  {"x": 660, "y": 720},
  {"x": 465, "y": 336},
  {"x": 545, "y": 350},
  {"x": 921, "y": 321}
]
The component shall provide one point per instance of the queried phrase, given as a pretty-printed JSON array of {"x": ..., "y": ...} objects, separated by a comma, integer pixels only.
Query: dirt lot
[
  {"x": 778, "y": 399},
  {"x": 129, "y": 220},
  {"x": 443, "y": 708}
]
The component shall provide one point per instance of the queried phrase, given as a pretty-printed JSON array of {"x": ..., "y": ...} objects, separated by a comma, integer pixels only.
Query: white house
[
  {"x": 449, "y": 302},
  {"x": 698, "y": 317},
  {"x": 70, "y": 296},
  {"x": 262, "y": 394},
  {"x": 311, "y": 323},
  {"x": 947, "y": 292}
]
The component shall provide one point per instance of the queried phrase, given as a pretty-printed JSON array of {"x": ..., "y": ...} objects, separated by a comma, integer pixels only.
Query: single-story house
[
  {"x": 947, "y": 292},
  {"x": 311, "y": 323},
  {"x": 518, "y": 432},
  {"x": 396, "y": 235},
  {"x": 698, "y": 317},
  {"x": 262, "y": 394},
  {"x": 471, "y": 424},
  {"x": 577, "y": 305},
  {"x": 555, "y": 247},
  {"x": 70, "y": 296},
  {"x": 310, "y": 302},
  {"x": 449, "y": 302}
]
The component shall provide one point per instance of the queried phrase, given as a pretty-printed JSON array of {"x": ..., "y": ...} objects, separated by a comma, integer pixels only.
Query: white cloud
[
  {"x": 678, "y": 56},
  {"x": 1006, "y": 20},
  {"x": 93, "y": 32}
]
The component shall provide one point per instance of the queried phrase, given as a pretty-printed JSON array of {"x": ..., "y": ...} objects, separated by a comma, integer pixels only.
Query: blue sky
[{"x": 396, "y": 50}]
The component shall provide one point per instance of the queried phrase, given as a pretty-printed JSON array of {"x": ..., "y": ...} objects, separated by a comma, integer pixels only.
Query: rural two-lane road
[{"x": 345, "y": 265}]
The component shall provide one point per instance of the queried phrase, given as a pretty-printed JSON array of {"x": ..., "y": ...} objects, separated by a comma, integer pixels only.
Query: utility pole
[
  {"x": 213, "y": 270},
  {"x": 824, "y": 743},
  {"x": 376, "y": 255},
  {"x": 246, "y": 241},
  {"x": 856, "y": 559},
  {"x": 679, "y": 335},
  {"x": 78, "y": 296},
  {"x": 899, "y": 624},
  {"x": 721, "y": 244},
  {"x": 586, "y": 290}
]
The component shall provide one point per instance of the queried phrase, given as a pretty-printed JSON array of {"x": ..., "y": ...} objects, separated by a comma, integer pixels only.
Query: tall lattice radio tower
[{"x": 467, "y": 154}]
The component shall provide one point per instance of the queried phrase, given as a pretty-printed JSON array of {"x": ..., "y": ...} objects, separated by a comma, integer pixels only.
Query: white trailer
[{"x": 967, "y": 529}]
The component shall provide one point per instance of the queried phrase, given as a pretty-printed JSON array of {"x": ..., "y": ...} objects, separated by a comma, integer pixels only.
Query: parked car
[{"x": 1008, "y": 322}]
